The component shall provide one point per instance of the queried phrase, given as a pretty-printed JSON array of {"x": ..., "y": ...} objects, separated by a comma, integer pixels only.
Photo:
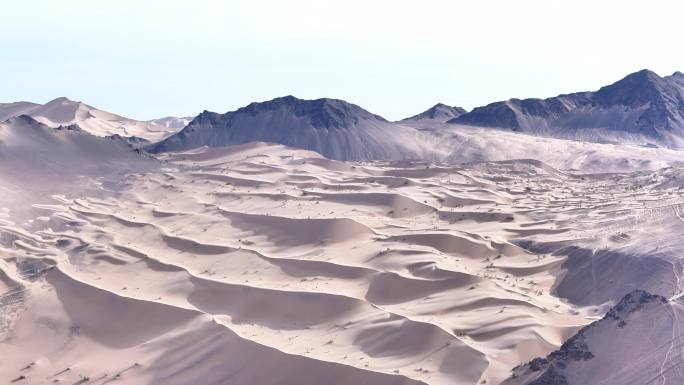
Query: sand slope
[
  {"x": 65, "y": 112},
  {"x": 262, "y": 264}
]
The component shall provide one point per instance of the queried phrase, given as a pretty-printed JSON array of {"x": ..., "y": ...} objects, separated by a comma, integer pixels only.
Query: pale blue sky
[{"x": 150, "y": 58}]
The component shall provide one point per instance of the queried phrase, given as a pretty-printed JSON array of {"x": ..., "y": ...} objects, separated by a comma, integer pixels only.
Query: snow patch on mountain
[{"x": 172, "y": 122}]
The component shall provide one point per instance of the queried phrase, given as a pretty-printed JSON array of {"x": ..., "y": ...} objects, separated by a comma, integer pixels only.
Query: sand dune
[
  {"x": 62, "y": 112},
  {"x": 262, "y": 264}
]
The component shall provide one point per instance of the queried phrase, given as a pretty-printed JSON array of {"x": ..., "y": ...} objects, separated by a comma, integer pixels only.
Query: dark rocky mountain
[
  {"x": 331, "y": 127},
  {"x": 438, "y": 113},
  {"x": 642, "y": 108}
]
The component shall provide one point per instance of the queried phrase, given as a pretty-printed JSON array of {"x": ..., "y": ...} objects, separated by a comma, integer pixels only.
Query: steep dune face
[
  {"x": 65, "y": 112},
  {"x": 232, "y": 260},
  {"x": 260, "y": 263},
  {"x": 333, "y": 128},
  {"x": 641, "y": 108}
]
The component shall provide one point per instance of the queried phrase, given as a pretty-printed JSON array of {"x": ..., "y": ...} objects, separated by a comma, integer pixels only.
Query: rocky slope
[
  {"x": 642, "y": 108},
  {"x": 331, "y": 127},
  {"x": 438, "y": 113},
  {"x": 637, "y": 342}
]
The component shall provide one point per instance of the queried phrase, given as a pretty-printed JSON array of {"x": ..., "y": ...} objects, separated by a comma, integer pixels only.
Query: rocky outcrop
[{"x": 559, "y": 367}]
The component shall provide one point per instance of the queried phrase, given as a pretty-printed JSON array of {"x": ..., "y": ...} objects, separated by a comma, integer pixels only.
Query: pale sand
[{"x": 260, "y": 264}]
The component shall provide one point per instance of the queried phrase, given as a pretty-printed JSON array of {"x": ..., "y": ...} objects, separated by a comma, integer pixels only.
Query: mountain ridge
[
  {"x": 332, "y": 127},
  {"x": 63, "y": 111},
  {"x": 640, "y": 108},
  {"x": 440, "y": 112}
]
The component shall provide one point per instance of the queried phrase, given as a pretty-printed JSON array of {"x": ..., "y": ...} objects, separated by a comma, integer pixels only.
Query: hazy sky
[{"x": 151, "y": 58}]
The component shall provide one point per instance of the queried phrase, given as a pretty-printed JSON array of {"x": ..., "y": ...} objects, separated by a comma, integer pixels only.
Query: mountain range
[
  {"x": 642, "y": 108},
  {"x": 475, "y": 242},
  {"x": 65, "y": 112}
]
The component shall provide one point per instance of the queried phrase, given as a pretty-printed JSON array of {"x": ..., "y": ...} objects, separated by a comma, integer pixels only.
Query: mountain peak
[
  {"x": 644, "y": 73},
  {"x": 293, "y": 100},
  {"x": 640, "y": 108},
  {"x": 62, "y": 102},
  {"x": 677, "y": 77},
  {"x": 279, "y": 101},
  {"x": 287, "y": 99},
  {"x": 439, "y": 112},
  {"x": 332, "y": 127},
  {"x": 634, "y": 90},
  {"x": 61, "y": 99},
  {"x": 323, "y": 112},
  {"x": 644, "y": 76}
]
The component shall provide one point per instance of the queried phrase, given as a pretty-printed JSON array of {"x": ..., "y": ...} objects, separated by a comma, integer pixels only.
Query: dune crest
[{"x": 223, "y": 263}]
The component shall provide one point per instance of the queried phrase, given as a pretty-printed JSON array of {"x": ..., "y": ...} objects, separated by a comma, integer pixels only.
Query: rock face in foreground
[
  {"x": 642, "y": 108},
  {"x": 633, "y": 343},
  {"x": 331, "y": 127}
]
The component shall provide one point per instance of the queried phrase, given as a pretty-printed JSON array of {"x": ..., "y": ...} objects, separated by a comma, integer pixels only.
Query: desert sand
[{"x": 263, "y": 264}]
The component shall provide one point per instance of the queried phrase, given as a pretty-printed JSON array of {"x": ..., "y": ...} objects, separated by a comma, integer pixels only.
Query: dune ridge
[{"x": 369, "y": 273}]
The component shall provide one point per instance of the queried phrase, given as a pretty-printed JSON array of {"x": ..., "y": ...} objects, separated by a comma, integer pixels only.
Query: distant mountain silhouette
[
  {"x": 641, "y": 108},
  {"x": 439, "y": 113}
]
